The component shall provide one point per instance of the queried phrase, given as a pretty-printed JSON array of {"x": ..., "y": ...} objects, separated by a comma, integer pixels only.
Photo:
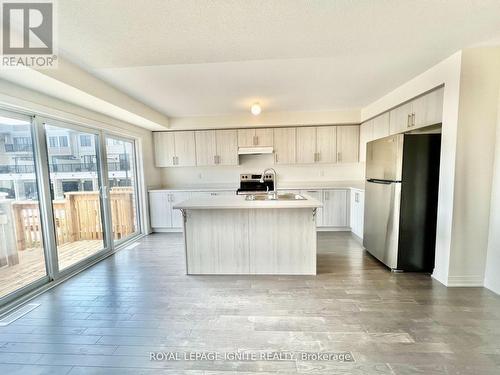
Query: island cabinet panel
[
  {"x": 227, "y": 147},
  {"x": 306, "y": 145},
  {"x": 278, "y": 251},
  {"x": 326, "y": 144},
  {"x": 206, "y": 148},
  {"x": 284, "y": 145},
  {"x": 347, "y": 144},
  {"x": 217, "y": 242}
]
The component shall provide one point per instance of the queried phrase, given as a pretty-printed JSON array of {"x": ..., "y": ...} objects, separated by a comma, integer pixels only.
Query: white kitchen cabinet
[
  {"x": 255, "y": 137},
  {"x": 284, "y": 145},
  {"x": 427, "y": 109},
  {"x": 185, "y": 149},
  {"x": 164, "y": 145},
  {"x": 422, "y": 111},
  {"x": 159, "y": 209},
  {"x": 318, "y": 195},
  {"x": 175, "y": 149},
  {"x": 335, "y": 208},
  {"x": 306, "y": 145},
  {"x": 381, "y": 126},
  {"x": 365, "y": 136},
  {"x": 347, "y": 144},
  {"x": 227, "y": 147},
  {"x": 206, "y": 148},
  {"x": 326, "y": 144},
  {"x": 357, "y": 212}
]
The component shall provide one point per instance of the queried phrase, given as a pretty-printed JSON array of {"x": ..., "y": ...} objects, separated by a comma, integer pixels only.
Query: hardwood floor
[{"x": 109, "y": 318}]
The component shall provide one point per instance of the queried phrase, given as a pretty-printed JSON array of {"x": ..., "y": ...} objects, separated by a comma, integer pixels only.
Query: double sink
[{"x": 277, "y": 197}]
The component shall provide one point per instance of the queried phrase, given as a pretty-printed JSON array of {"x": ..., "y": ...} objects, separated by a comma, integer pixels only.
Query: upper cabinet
[
  {"x": 422, "y": 111},
  {"x": 317, "y": 144},
  {"x": 216, "y": 147},
  {"x": 381, "y": 126},
  {"x": 284, "y": 145},
  {"x": 255, "y": 137},
  {"x": 347, "y": 144},
  {"x": 175, "y": 149}
]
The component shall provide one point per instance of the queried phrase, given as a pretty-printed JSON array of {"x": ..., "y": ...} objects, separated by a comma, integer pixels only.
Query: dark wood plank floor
[{"x": 109, "y": 318}]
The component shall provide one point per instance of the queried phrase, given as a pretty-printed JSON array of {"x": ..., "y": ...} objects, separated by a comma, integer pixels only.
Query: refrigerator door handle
[{"x": 378, "y": 181}]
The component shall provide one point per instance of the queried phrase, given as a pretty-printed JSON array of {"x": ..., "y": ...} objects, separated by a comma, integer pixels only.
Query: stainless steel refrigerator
[{"x": 402, "y": 180}]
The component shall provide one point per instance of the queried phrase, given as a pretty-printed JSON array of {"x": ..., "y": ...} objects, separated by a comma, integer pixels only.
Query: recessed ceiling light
[{"x": 255, "y": 109}]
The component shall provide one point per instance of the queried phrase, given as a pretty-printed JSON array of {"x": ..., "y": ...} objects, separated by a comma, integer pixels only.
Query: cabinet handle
[
  {"x": 356, "y": 197},
  {"x": 339, "y": 156},
  {"x": 327, "y": 195},
  {"x": 215, "y": 159},
  {"x": 255, "y": 140},
  {"x": 275, "y": 157},
  {"x": 319, "y": 156},
  {"x": 413, "y": 119},
  {"x": 173, "y": 160},
  {"x": 408, "y": 121}
]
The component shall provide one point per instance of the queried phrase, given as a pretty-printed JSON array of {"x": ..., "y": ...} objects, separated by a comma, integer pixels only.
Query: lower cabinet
[
  {"x": 357, "y": 212},
  {"x": 342, "y": 208}
]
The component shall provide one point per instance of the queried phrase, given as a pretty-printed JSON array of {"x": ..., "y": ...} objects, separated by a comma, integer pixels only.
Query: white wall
[
  {"x": 476, "y": 133},
  {"x": 492, "y": 273},
  {"x": 229, "y": 175},
  {"x": 16, "y": 97}
]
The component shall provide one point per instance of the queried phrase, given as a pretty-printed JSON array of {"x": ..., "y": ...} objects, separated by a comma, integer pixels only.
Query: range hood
[{"x": 255, "y": 150}]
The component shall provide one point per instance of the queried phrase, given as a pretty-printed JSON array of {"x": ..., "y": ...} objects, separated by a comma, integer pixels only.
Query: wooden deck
[{"x": 31, "y": 265}]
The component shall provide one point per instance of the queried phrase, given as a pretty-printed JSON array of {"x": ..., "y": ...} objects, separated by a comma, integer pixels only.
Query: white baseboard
[
  {"x": 167, "y": 230},
  {"x": 465, "y": 281}
]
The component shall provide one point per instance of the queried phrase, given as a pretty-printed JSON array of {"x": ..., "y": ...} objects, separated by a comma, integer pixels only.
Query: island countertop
[{"x": 239, "y": 202}]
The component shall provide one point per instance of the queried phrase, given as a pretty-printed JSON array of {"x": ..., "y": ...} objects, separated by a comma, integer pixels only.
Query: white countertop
[
  {"x": 282, "y": 185},
  {"x": 239, "y": 202}
]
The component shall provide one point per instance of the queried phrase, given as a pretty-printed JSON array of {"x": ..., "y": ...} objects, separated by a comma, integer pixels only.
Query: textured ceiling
[{"x": 190, "y": 58}]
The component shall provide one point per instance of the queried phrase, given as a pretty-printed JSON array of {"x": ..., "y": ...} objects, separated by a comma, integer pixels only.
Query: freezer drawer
[{"x": 381, "y": 221}]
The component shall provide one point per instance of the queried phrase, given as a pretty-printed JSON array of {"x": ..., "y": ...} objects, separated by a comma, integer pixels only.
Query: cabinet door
[
  {"x": 264, "y": 137},
  {"x": 205, "y": 147},
  {"x": 399, "y": 119},
  {"x": 335, "y": 208},
  {"x": 347, "y": 144},
  {"x": 326, "y": 144},
  {"x": 246, "y": 138},
  {"x": 185, "y": 149},
  {"x": 175, "y": 198},
  {"x": 227, "y": 147},
  {"x": 306, "y": 145},
  {"x": 428, "y": 109},
  {"x": 365, "y": 136},
  {"x": 284, "y": 145},
  {"x": 381, "y": 126},
  {"x": 159, "y": 209},
  {"x": 164, "y": 149},
  {"x": 318, "y": 195}
]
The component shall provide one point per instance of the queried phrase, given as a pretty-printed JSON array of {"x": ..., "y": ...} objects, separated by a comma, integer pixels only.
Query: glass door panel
[
  {"x": 123, "y": 187},
  {"x": 22, "y": 258},
  {"x": 74, "y": 168}
]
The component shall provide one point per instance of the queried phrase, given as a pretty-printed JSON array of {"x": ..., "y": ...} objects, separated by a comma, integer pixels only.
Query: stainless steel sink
[{"x": 280, "y": 197}]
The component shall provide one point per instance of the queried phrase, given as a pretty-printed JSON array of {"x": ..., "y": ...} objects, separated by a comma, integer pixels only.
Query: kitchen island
[{"x": 234, "y": 235}]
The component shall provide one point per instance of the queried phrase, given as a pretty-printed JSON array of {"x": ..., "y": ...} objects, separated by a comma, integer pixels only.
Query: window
[
  {"x": 85, "y": 141},
  {"x": 53, "y": 142},
  {"x": 63, "y": 141}
]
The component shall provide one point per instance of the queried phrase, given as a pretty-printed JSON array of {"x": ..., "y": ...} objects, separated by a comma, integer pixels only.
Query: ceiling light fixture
[{"x": 255, "y": 109}]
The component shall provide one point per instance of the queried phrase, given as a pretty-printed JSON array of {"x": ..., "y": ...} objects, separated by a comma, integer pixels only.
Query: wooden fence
[{"x": 77, "y": 217}]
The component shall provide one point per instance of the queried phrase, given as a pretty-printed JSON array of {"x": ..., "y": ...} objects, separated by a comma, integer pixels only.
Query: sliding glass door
[
  {"x": 76, "y": 186},
  {"x": 68, "y": 196},
  {"x": 22, "y": 257},
  {"x": 122, "y": 179}
]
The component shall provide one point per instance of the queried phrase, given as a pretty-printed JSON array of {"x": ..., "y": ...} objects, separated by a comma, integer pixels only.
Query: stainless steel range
[{"x": 256, "y": 184}]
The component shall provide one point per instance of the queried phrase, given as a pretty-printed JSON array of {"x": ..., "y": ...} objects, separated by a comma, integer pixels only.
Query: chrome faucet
[{"x": 273, "y": 194}]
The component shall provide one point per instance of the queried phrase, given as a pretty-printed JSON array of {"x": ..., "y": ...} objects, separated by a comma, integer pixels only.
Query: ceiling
[{"x": 204, "y": 58}]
